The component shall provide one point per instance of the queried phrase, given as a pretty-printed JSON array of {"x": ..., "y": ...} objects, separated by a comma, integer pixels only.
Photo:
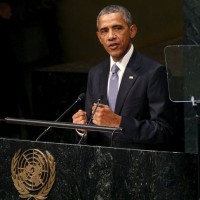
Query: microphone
[
  {"x": 80, "y": 98},
  {"x": 84, "y": 136}
]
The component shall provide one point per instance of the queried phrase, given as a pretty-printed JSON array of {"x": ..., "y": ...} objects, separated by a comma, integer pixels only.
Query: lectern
[{"x": 39, "y": 170}]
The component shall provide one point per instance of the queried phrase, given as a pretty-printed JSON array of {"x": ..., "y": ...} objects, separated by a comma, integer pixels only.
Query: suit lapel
[
  {"x": 128, "y": 80},
  {"x": 104, "y": 81}
]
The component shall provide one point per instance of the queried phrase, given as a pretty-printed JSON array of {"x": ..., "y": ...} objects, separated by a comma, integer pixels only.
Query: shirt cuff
[{"x": 81, "y": 133}]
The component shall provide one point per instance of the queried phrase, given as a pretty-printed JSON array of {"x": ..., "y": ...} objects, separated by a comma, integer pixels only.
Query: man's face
[{"x": 115, "y": 34}]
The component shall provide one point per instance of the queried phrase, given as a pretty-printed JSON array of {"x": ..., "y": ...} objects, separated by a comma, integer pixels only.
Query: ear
[{"x": 133, "y": 31}]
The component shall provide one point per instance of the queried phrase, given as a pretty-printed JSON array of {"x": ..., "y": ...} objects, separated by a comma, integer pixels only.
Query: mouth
[{"x": 113, "y": 46}]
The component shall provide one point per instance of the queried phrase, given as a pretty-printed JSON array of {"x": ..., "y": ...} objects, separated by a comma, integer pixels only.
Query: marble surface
[
  {"x": 191, "y": 12},
  {"x": 86, "y": 172},
  {"x": 191, "y": 22}
]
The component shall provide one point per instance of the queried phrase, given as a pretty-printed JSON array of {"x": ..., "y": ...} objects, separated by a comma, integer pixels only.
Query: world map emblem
[{"x": 33, "y": 173}]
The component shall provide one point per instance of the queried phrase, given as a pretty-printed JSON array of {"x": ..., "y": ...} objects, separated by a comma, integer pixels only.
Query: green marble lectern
[{"x": 39, "y": 170}]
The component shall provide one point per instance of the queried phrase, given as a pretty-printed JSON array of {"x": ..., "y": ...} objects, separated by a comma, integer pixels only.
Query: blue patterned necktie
[{"x": 113, "y": 87}]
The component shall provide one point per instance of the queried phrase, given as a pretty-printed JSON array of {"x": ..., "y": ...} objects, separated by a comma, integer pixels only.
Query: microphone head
[
  {"x": 100, "y": 98},
  {"x": 81, "y": 97}
]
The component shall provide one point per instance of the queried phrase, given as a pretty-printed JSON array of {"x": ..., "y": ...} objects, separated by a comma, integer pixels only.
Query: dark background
[{"x": 48, "y": 46}]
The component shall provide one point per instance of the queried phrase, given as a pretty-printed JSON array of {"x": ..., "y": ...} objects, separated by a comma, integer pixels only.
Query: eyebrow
[{"x": 114, "y": 26}]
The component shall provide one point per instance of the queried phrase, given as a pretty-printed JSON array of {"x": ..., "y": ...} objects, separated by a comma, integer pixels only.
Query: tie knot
[{"x": 114, "y": 69}]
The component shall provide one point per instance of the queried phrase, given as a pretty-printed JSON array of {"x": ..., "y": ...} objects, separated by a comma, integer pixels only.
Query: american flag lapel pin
[{"x": 130, "y": 77}]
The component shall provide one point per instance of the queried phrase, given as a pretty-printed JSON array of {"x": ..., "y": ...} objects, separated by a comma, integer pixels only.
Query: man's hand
[
  {"x": 104, "y": 116},
  {"x": 80, "y": 117}
]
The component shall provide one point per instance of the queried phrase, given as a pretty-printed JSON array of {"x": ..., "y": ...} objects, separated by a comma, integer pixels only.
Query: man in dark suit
[{"x": 142, "y": 106}]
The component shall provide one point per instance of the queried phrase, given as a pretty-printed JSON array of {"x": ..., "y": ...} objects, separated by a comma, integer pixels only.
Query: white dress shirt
[{"x": 122, "y": 66}]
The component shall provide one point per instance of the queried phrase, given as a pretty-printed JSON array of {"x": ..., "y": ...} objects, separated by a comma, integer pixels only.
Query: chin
[{"x": 115, "y": 55}]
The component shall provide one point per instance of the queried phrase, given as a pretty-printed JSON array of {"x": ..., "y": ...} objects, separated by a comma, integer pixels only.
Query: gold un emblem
[{"x": 33, "y": 173}]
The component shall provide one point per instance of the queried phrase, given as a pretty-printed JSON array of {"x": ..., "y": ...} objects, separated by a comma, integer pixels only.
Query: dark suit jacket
[{"x": 143, "y": 102}]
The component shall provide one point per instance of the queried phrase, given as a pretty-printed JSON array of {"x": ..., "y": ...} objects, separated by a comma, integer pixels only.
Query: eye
[
  {"x": 118, "y": 27},
  {"x": 104, "y": 30}
]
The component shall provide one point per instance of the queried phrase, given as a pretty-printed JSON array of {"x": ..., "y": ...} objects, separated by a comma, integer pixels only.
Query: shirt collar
[{"x": 124, "y": 61}]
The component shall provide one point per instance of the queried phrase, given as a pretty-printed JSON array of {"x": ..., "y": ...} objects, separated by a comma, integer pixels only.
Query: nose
[{"x": 111, "y": 34}]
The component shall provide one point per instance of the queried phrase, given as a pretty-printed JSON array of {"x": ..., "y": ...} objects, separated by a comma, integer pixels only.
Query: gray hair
[{"x": 115, "y": 9}]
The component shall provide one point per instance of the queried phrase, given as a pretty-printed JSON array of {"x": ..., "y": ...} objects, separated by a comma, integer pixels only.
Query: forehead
[{"x": 111, "y": 19}]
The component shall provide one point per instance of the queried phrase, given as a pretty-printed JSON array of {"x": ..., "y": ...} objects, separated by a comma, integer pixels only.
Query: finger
[
  {"x": 79, "y": 114},
  {"x": 100, "y": 105},
  {"x": 80, "y": 120}
]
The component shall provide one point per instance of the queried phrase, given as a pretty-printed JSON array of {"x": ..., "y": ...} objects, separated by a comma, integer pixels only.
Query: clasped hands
[{"x": 103, "y": 116}]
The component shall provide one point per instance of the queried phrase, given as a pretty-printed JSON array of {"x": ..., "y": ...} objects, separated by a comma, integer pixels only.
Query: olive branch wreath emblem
[{"x": 23, "y": 191}]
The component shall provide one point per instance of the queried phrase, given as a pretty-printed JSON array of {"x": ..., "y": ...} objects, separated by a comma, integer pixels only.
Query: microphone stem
[{"x": 60, "y": 117}]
